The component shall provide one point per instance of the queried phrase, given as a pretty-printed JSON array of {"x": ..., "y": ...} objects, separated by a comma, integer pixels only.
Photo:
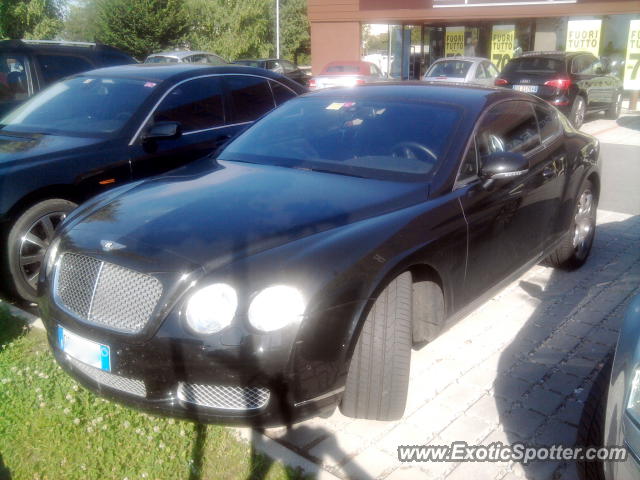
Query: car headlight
[
  {"x": 633, "y": 407},
  {"x": 276, "y": 307},
  {"x": 212, "y": 308}
]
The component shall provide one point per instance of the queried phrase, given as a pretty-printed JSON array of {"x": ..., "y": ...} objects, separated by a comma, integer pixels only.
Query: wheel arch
[{"x": 64, "y": 192}]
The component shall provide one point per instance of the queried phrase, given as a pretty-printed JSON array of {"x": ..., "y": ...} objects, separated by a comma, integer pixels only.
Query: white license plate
[
  {"x": 94, "y": 354},
  {"x": 526, "y": 88}
]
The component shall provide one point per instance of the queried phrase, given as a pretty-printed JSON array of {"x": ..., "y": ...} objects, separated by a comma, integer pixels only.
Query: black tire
[
  {"x": 613, "y": 112},
  {"x": 578, "y": 111},
  {"x": 378, "y": 376},
  {"x": 428, "y": 311},
  {"x": 570, "y": 255},
  {"x": 40, "y": 220},
  {"x": 592, "y": 421}
]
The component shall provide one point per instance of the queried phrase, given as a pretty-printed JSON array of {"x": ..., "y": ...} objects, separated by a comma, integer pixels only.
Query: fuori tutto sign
[{"x": 584, "y": 36}]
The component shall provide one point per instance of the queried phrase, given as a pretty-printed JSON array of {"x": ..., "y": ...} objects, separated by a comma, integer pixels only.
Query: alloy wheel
[
  {"x": 578, "y": 118},
  {"x": 33, "y": 245},
  {"x": 584, "y": 224}
]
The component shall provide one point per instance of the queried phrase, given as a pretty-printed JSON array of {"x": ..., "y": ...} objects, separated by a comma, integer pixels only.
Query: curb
[{"x": 31, "y": 319}]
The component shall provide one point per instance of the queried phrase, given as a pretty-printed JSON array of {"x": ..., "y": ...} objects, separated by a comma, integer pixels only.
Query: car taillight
[
  {"x": 360, "y": 81},
  {"x": 560, "y": 83},
  {"x": 313, "y": 83},
  {"x": 500, "y": 82}
]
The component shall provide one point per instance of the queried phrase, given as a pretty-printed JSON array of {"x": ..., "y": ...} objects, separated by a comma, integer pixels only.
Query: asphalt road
[{"x": 620, "y": 178}]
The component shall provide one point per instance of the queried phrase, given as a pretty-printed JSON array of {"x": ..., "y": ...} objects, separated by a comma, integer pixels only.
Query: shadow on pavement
[
  {"x": 5, "y": 473},
  {"x": 629, "y": 121},
  {"x": 546, "y": 372}
]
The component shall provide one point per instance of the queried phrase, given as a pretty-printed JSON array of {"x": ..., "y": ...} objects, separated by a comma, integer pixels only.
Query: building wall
[{"x": 334, "y": 41}]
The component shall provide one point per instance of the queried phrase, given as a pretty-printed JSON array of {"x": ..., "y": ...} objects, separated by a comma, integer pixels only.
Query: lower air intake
[
  {"x": 124, "y": 384},
  {"x": 224, "y": 398}
]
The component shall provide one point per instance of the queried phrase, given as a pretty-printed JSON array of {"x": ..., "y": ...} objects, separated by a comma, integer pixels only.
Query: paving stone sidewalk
[{"x": 517, "y": 369}]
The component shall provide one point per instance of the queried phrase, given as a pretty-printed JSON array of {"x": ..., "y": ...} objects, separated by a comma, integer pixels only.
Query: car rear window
[
  {"x": 535, "y": 65},
  {"x": 342, "y": 69},
  {"x": 449, "y": 68},
  {"x": 399, "y": 140}
]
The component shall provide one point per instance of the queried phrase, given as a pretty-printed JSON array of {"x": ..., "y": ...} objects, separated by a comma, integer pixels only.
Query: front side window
[
  {"x": 359, "y": 137},
  {"x": 508, "y": 127},
  {"x": 583, "y": 65},
  {"x": 196, "y": 105},
  {"x": 250, "y": 97},
  {"x": 54, "y": 67},
  {"x": 14, "y": 84},
  {"x": 469, "y": 167},
  {"x": 82, "y": 106},
  {"x": 548, "y": 122}
]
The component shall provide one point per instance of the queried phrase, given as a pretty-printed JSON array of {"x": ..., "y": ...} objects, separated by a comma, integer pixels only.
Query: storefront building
[{"x": 403, "y": 37}]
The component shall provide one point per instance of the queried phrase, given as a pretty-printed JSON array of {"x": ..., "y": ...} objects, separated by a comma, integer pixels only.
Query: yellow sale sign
[
  {"x": 503, "y": 38},
  {"x": 454, "y": 41},
  {"x": 584, "y": 36},
  {"x": 632, "y": 63}
]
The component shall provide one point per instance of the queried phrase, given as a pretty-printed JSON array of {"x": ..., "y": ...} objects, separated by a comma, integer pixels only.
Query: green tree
[
  {"x": 34, "y": 19},
  {"x": 141, "y": 27},
  {"x": 80, "y": 22},
  {"x": 232, "y": 28},
  {"x": 295, "y": 36}
]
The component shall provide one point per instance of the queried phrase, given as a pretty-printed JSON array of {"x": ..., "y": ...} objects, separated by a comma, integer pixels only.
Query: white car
[{"x": 476, "y": 70}]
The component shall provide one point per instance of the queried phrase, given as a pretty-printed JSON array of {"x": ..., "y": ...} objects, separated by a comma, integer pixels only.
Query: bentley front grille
[
  {"x": 106, "y": 294},
  {"x": 124, "y": 384},
  {"x": 224, "y": 398}
]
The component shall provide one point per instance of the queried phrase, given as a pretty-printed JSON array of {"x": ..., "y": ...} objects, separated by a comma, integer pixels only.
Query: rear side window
[
  {"x": 281, "y": 93},
  {"x": 583, "y": 64},
  {"x": 250, "y": 97},
  {"x": 14, "y": 84},
  {"x": 508, "y": 127},
  {"x": 196, "y": 105},
  {"x": 55, "y": 67},
  {"x": 481, "y": 73},
  {"x": 535, "y": 65},
  {"x": 548, "y": 122}
]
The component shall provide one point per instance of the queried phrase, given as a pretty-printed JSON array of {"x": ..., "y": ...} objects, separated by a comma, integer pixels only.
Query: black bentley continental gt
[
  {"x": 100, "y": 129},
  {"x": 294, "y": 272}
]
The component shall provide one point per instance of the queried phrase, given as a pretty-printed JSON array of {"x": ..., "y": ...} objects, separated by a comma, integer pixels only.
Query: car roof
[
  {"x": 260, "y": 59},
  {"x": 551, "y": 54},
  {"x": 54, "y": 45},
  {"x": 464, "y": 59},
  {"x": 472, "y": 97},
  {"x": 182, "y": 53},
  {"x": 174, "y": 72}
]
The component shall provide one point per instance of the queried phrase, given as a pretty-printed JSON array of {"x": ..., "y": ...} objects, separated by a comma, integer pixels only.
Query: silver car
[
  {"x": 186, "y": 56},
  {"x": 346, "y": 74},
  {"x": 476, "y": 70}
]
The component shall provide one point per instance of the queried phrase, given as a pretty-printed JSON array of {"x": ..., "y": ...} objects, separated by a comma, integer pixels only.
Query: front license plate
[
  {"x": 94, "y": 354},
  {"x": 526, "y": 88}
]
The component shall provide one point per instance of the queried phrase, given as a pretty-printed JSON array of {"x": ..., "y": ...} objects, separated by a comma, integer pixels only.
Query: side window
[
  {"x": 375, "y": 71},
  {"x": 469, "y": 167},
  {"x": 197, "y": 59},
  {"x": 508, "y": 127},
  {"x": 493, "y": 71},
  {"x": 55, "y": 67},
  {"x": 196, "y": 105},
  {"x": 548, "y": 122},
  {"x": 583, "y": 65},
  {"x": 14, "y": 84},
  {"x": 288, "y": 66},
  {"x": 480, "y": 72},
  {"x": 281, "y": 93},
  {"x": 250, "y": 97},
  {"x": 215, "y": 60}
]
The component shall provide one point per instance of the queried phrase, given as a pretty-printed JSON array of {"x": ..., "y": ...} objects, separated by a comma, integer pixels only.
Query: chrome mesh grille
[
  {"x": 225, "y": 398},
  {"x": 106, "y": 294},
  {"x": 124, "y": 384}
]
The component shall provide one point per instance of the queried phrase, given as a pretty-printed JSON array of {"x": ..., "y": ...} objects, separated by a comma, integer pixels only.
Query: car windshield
[
  {"x": 366, "y": 138},
  {"x": 161, "y": 59},
  {"x": 449, "y": 68},
  {"x": 80, "y": 106},
  {"x": 534, "y": 65}
]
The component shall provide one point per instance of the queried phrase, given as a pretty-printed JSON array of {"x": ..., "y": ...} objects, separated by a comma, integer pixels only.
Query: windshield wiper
[{"x": 326, "y": 170}]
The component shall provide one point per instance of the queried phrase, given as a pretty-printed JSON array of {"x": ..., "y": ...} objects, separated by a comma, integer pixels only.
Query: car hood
[
  {"x": 237, "y": 210},
  {"x": 15, "y": 147}
]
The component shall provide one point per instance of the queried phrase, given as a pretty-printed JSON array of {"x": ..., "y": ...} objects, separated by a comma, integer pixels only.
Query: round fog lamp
[
  {"x": 212, "y": 308},
  {"x": 275, "y": 308}
]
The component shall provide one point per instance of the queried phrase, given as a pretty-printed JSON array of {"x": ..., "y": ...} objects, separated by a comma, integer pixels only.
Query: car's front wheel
[
  {"x": 378, "y": 377},
  {"x": 28, "y": 241},
  {"x": 576, "y": 246}
]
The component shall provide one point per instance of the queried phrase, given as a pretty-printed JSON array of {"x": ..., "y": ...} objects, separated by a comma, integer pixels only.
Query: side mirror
[
  {"x": 163, "y": 131},
  {"x": 502, "y": 166}
]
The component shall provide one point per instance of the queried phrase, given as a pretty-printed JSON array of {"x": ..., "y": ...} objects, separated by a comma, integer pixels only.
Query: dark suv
[
  {"x": 575, "y": 82},
  {"x": 27, "y": 66}
]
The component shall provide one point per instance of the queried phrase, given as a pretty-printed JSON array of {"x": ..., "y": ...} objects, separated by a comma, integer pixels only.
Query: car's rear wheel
[
  {"x": 578, "y": 111},
  {"x": 613, "y": 112},
  {"x": 28, "y": 241},
  {"x": 378, "y": 377},
  {"x": 592, "y": 421},
  {"x": 576, "y": 246}
]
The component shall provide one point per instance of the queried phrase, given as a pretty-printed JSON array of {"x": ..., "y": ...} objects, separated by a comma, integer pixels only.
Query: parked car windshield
[
  {"x": 449, "y": 68},
  {"x": 534, "y": 65},
  {"x": 81, "y": 106},
  {"x": 360, "y": 137}
]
